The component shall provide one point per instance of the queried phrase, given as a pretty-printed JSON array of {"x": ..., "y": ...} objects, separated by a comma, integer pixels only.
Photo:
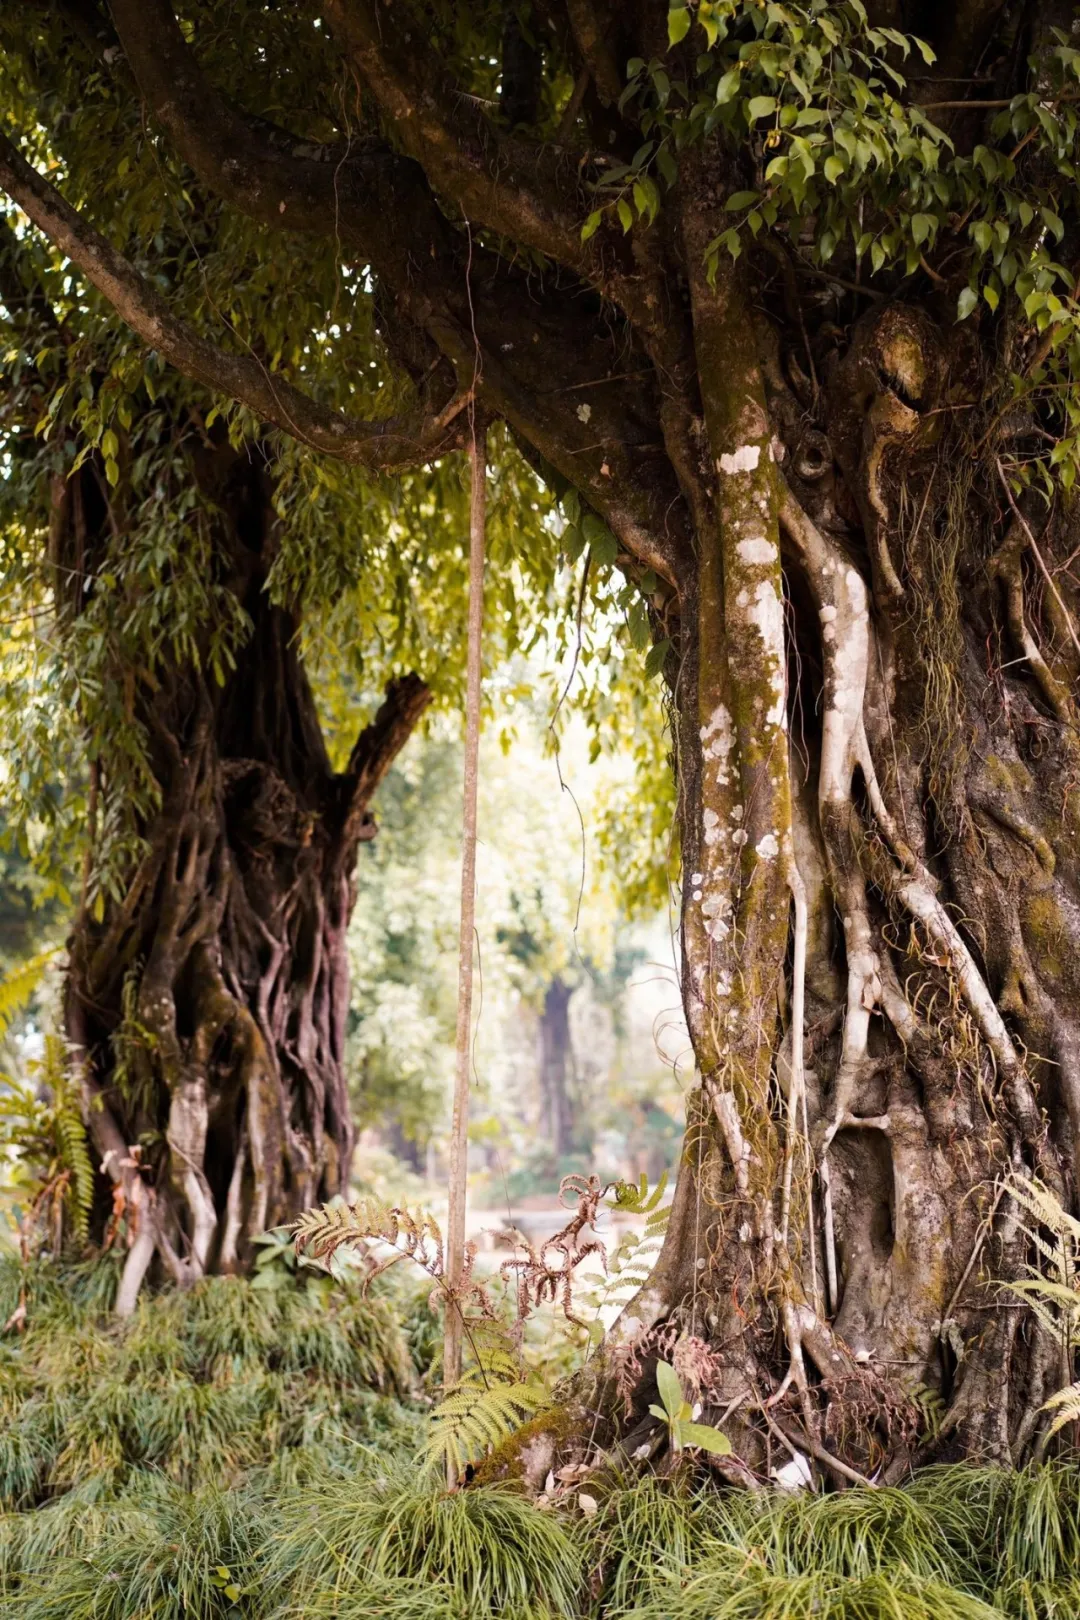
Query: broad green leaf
[
  {"x": 605, "y": 548},
  {"x": 655, "y": 658},
  {"x": 966, "y": 303},
  {"x": 667, "y": 1382},
  {"x": 706, "y": 1438},
  {"x": 678, "y": 24}
]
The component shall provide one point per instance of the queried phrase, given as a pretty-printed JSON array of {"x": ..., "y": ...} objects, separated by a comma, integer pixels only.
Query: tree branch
[
  {"x": 502, "y": 181},
  {"x": 379, "y": 744},
  {"x": 591, "y": 36},
  {"x": 395, "y": 442},
  {"x": 269, "y": 174}
]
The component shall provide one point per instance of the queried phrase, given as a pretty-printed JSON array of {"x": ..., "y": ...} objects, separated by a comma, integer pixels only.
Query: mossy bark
[{"x": 877, "y": 757}]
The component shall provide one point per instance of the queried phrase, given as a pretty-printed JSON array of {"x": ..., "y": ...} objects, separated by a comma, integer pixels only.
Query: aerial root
[
  {"x": 803, "y": 1330},
  {"x": 1005, "y": 566}
]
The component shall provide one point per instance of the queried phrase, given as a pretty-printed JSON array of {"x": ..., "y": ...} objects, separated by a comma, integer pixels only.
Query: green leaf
[
  {"x": 592, "y": 224},
  {"x": 667, "y": 166},
  {"x": 728, "y": 88},
  {"x": 667, "y": 1382},
  {"x": 626, "y": 217},
  {"x": 741, "y": 199},
  {"x": 834, "y": 168},
  {"x": 706, "y": 1438},
  {"x": 966, "y": 303},
  {"x": 605, "y": 548},
  {"x": 760, "y": 107},
  {"x": 678, "y": 24},
  {"x": 573, "y": 542},
  {"x": 656, "y": 657},
  {"x": 922, "y": 226}
]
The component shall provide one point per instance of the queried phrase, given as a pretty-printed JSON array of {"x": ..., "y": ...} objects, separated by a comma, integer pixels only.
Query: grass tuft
[{"x": 488, "y": 1549}]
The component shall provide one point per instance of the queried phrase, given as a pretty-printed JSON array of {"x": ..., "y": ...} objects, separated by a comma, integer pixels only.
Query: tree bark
[
  {"x": 557, "y": 1119},
  {"x": 207, "y": 1007},
  {"x": 877, "y": 743}
]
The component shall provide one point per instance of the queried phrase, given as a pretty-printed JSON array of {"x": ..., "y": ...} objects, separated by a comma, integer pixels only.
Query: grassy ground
[{"x": 236, "y": 1453}]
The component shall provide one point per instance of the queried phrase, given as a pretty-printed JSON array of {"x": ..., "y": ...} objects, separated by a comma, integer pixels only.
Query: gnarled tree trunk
[
  {"x": 876, "y": 716},
  {"x": 208, "y": 1005}
]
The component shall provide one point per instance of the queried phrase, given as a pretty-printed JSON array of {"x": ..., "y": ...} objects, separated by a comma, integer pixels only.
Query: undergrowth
[
  {"x": 222, "y": 1383},
  {"x": 247, "y": 1453}
]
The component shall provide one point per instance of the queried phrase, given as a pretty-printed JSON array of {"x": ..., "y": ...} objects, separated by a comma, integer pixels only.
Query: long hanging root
[
  {"x": 841, "y": 598},
  {"x": 1005, "y": 566}
]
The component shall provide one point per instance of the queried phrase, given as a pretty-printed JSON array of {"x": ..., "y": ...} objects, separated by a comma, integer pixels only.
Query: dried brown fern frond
[{"x": 537, "y": 1274}]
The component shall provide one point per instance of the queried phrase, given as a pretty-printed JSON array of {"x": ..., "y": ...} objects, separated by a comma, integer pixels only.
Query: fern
[
  {"x": 636, "y": 1199},
  {"x": 1052, "y": 1287},
  {"x": 41, "y": 1125},
  {"x": 1066, "y": 1405},
  {"x": 631, "y": 1265},
  {"x": 473, "y": 1418},
  {"x": 18, "y": 986}
]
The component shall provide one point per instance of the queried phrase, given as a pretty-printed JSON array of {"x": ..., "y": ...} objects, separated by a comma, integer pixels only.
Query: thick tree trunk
[
  {"x": 556, "y": 1111},
  {"x": 877, "y": 758},
  {"x": 208, "y": 1006}
]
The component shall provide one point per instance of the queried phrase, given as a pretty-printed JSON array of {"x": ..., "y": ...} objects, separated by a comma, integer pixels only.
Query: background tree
[{"x": 783, "y": 302}]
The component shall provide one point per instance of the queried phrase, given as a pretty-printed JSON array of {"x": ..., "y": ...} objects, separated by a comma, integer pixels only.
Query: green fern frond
[
  {"x": 42, "y": 1123},
  {"x": 636, "y": 1199},
  {"x": 74, "y": 1151},
  {"x": 470, "y": 1420},
  {"x": 18, "y": 986}
]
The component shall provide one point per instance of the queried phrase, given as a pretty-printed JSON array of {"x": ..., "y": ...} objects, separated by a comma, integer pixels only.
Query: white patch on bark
[
  {"x": 745, "y": 459},
  {"x": 716, "y": 909},
  {"x": 757, "y": 553},
  {"x": 718, "y": 739},
  {"x": 767, "y": 617},
  {"x": 768, "y": 848}
]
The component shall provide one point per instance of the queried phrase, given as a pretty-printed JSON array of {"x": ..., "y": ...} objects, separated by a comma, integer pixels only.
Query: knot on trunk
[{"x": 262, "y": 810}]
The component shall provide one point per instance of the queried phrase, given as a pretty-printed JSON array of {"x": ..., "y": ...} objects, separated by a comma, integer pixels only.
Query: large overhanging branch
[
  {"x": 396, "y": 442},
  {"x": 510, "y": 185},
  {"x": 347, "y": 191},
  {"x": 520, "y": 189}
]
